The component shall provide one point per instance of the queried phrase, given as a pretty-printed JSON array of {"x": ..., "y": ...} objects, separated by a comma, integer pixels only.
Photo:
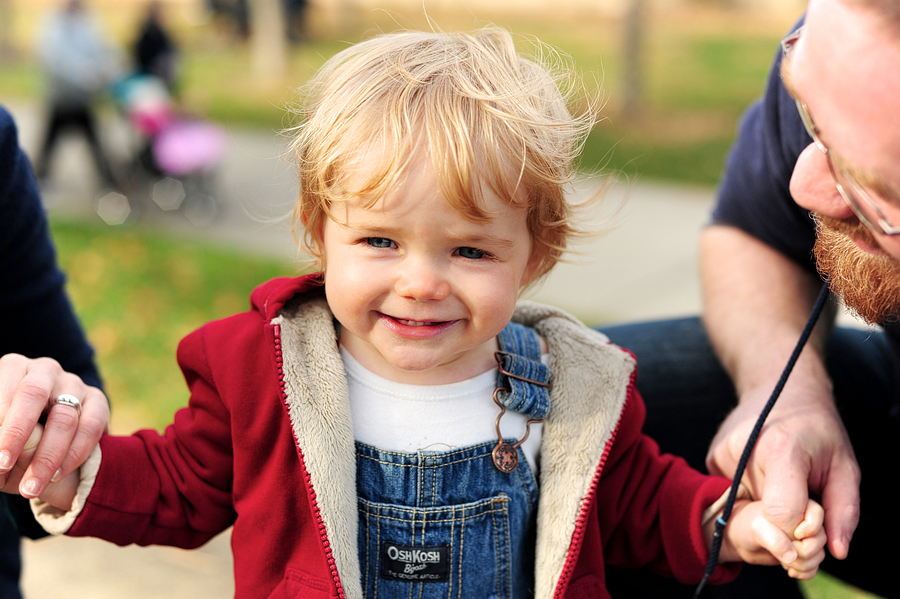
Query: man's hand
[
  {"x": 803, "y": 448},
  {"x": 26, "y": 388}
]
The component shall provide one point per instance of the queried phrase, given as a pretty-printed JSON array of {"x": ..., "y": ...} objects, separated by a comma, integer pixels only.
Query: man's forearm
[{"x": 756, "y": 303}]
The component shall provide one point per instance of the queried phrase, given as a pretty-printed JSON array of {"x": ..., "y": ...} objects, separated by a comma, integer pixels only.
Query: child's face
[{"x": 420, "y": 290}]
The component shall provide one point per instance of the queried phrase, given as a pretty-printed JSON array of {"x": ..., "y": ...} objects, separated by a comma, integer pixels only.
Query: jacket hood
[{"x": 270, "y": 297}]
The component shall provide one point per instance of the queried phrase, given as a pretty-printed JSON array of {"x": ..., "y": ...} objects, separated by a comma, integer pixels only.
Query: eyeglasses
[{"x": 856, "y": 196}]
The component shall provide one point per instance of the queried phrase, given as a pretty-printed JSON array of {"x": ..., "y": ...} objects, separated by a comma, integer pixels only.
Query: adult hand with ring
[{"x": 76, "y": 417}]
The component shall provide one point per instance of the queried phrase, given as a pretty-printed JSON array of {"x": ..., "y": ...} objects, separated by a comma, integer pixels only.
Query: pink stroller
[{"x": 176, "y": 158}]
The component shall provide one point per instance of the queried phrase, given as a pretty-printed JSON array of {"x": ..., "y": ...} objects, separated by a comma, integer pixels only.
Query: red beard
[{"x": 868, "y": 283}]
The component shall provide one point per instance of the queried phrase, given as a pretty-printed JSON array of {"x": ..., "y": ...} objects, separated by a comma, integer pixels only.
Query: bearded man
[{"x": 816, "y": 163}]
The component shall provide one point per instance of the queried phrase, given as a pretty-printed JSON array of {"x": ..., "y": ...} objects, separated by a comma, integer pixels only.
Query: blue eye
[
  {"x": 470, "y": 253},
  {"x": 380, "y": 242}
]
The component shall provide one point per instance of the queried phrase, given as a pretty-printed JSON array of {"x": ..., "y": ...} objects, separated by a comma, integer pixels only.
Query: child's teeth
[{"x": 414, "y": 323}]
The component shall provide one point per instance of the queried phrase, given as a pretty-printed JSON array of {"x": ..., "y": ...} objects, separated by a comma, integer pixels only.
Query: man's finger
[
  {"x": 840, "y": 498},
  {"x": 13, "y": 368},
  {"x": 11, "y": 480}
]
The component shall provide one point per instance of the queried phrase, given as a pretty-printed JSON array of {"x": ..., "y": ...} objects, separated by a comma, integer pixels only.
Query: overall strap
[{"x": 519, "y": 361}]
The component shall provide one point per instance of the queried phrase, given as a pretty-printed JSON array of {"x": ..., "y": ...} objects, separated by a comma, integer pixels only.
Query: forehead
[
  {"x": 379, "y": 173},
  {"x": 417, "y": 185},
  {"x": 846, "y": 68}
]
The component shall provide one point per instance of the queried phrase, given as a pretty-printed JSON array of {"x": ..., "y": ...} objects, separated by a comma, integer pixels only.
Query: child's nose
[
  {"x": 813, "y": 186},
  {"x": 422, "y": 280}
]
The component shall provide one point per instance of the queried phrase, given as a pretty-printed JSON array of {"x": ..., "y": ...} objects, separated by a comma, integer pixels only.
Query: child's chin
[
  {"x": 431, "y": 370},
  {"x": 413, "y": 366}
]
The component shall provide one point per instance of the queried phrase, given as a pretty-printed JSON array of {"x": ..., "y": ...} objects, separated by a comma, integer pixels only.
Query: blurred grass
[{"x": 824, "y": 586}]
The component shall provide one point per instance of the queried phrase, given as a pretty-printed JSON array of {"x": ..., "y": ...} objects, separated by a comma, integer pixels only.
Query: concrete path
[{"x": 644, "y": 267}]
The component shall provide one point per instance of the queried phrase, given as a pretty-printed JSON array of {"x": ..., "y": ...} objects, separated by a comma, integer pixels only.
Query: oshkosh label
[{"x": 415, "y": 564}]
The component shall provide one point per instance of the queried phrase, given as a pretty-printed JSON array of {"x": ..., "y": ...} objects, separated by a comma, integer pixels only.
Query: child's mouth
[{"x": 419, "y": 329}]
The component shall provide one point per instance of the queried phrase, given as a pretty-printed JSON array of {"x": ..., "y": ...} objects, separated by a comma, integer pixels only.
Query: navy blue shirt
[
  {"x": 36, "y": 318},
  {"x": 754, "y": 194}
]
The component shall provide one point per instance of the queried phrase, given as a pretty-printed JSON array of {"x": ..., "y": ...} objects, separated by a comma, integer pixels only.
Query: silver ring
[{"x": 68, "y": 400}]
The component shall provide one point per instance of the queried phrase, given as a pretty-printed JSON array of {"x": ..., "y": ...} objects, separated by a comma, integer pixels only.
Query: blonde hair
[{"x": 486, "y": 115}]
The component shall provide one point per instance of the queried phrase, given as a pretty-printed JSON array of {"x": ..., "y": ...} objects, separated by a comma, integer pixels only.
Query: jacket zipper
[
  {"x": 578, "y": 535},
  {"x": 317, "y": 514}
]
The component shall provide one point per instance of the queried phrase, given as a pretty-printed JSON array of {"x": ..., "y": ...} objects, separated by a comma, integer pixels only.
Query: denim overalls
[{"x": 452, "y": 524}]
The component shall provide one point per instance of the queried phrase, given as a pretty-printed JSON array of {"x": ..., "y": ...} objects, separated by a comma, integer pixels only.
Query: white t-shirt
[{"x": 409, "y": 418}]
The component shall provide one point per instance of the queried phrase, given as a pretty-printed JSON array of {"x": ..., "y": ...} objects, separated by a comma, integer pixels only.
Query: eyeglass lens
[{"x": 861, "y": 201}]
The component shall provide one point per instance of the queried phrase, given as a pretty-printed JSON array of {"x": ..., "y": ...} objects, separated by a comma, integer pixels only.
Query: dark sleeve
[
  {"x": 36, "y": 318},
  {"x": 754, "y": 194}
]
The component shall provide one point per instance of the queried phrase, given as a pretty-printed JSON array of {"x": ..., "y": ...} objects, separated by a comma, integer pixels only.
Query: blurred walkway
[{"x": 645, "y": 267}]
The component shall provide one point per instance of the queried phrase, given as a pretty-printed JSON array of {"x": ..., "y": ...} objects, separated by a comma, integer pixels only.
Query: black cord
[{"x": 722, "y": 520}]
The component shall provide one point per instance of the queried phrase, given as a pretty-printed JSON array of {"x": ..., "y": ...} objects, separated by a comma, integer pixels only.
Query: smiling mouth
[
  {"x": 416, "y": 330},
  {"x": 398, "y": 325}
]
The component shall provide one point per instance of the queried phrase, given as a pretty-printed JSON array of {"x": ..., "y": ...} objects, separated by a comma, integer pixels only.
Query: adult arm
[
  {"x": 36, "y": 319},
  {"x": 756, "y": 304},
  {"x": 759, "y": 284}
]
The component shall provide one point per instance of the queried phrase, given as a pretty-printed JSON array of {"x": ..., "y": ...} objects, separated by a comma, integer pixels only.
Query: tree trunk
[
  {"x": 268, "y": 39},
  {"x": 633, "y": 58}
]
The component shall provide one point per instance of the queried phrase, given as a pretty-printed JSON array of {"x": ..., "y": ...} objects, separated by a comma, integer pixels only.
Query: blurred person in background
[
  {"x": 820, "y": 149},
  {"x": 36, "y": 319},
  {"x": 79, "y": 64},
  {"x": 155, "y": 53}
]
